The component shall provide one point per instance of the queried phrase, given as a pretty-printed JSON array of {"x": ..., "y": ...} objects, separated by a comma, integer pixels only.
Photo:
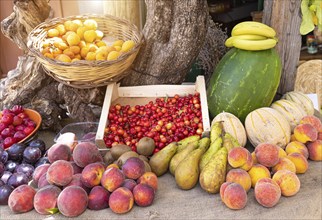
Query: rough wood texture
[
  {"x": 284, "y": 17},
  {"x": 174, "y": 34}
]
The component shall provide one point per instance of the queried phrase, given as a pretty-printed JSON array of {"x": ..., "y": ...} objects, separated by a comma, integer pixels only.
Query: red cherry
[
  {"x": 7, "y": 132},
  {"x": 20, "y": 127},
  {"x": 28, "y": 130},
  {"x": 19, "y": 135},
  {"x": 17, "y": 109},
  {"x": 2, "y": 126},
  {"x": 7, "y": 119},
  {"x": 8, "y": 141},
  {"x": 23, "y": 115},
  {"x": 17, "y": 120}
]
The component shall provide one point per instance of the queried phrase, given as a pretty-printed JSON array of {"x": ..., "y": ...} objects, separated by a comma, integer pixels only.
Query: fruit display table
[{"x": 173, "y": 203}]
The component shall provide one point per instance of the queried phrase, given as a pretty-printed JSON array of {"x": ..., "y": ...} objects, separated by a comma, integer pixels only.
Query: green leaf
[{"x": 53, "y": 210}]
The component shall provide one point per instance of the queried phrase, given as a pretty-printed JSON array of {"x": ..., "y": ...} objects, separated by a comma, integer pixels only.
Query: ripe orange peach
[
  {"x": 257, "y": 172},
  {"x": 133, "y": 168},
  {"x": 21, "y": 199},
  {"x": 305, "y": 133},
  {"x": 112, "y": 179},
  {"x": 143, "y": 195},
  {"x": 121, "y": 200},
  {"x": 284, "y": 163},
  {"x": 315, "y": 150},
  {"x": 240, "y": 157},
  {"x": 98, "y": 198},
  {"x": 298, "y": 147},
  {"x": 281, "y": 153},
  {"x": 288, "y": 182},
  {"x": 239, "y": 176},
  {"x": 130, "y": 184},
  {"x": 150, "y": 179},
  {"x": 92, "y": 174},
  {"x": 267, "y": 154},
  {"x": 46, "y": 199},
  {"x": 254, "y": 158},
  {"x": 312, "y": 120},
  {"x": 60, "y": 173},
  {"x": 233, "y": 196},
  {"x": 300, "y": 162},
  {"x": 267, "y": 192}
]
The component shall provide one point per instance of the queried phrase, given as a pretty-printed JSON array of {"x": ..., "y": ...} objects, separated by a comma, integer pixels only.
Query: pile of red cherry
[
  {"x": 15, "y": 125},
  {"x": 165, "y": 120}
]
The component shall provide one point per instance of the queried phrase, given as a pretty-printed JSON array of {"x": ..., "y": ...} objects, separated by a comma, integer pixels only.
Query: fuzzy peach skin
[
  {"x": 305, "y": 133},
  {"x": 298, "y": 147},
  {"x": 254, "y": 158},
  {"x": 121, "y": 200},
  {"x": 239, "y": 176},
  {"x": 315, "y": 150},
  {"x": 233, "y": 195},
  {"x": 300, "y": 162},
  {"x": 267, "y": 154},
  {"x": 240, "y": 157},
  {"x": 281, "y": 153},
  {"x": 257, "y": 172},
  {"x": 267, "y": 192},
  {"x": 284, "y": 163},
  {"x": 312, "y": 120},
  {"x": 288, "y": 182}
]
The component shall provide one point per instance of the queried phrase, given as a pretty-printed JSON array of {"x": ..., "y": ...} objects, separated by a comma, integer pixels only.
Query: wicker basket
[{"x": 88, "y": 74}]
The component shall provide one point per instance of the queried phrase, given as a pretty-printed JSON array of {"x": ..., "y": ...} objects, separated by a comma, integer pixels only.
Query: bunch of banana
[{"x": 253, "y": 36}]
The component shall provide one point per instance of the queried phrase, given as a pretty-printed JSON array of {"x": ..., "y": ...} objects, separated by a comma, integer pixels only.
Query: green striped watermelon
[{"x": 244, "y": 81}]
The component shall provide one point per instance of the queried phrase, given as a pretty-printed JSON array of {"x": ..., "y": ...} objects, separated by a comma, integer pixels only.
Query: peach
[
  {"x": 85, "y": 153},
  {"x": 305, "y": 133},
  {"x": 72, "y": 201},
  {"x": 77, "y": 181},
  {"x": 223, "y": 188},
  {"x": 39, "y": 171},
  {"x": 298, "y": 147},
  {"x": 129, "y": 183},
  {"x": 42, "y": 182},
  {"x": 92, "y": 174},
  {"x": 320, "y": 136},
  {"x": 76, "y": 168},
  {"x": 133, "y": 168},
  {"x": 315, "y": 150},
  {"x": 234, "y": 195},
  {"x": 284, "y": 163},
  {"x": 112, "y": 165},
  {"x": 281, "y": 153},
  {"x": 267, "y": 192},
  {"x": 98, "y": 198},
  {"x": 239, "y": 176},
  {"x": 121, "y": 200},
  {"x": 59, "y": 152},
  {"x": 293, "y": 137},
  {"x": 45, "y": 200},
  {"x": 60, "y": 173},
  {"x": 112, "y": 179},
  {"x": 257, "y": 172},
  {"x": 240, "y": 157},
  {"x": 312, "y": 120},
  {"x": 288, "y": 182},
  {"x": 150, "y": 179},
  {"x": 21, "y": 199},
  {"x": 254, "y": 158},
  {"x": 267, "y": 154},
  {"x": 143, "y": 195},
  {"x": 300, "y": 162}
]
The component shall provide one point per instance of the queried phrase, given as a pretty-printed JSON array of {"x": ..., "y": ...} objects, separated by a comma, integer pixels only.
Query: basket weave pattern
[{"x": 88, "y": 74}]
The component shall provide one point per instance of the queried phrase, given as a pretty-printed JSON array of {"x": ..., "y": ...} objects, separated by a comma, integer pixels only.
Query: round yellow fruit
[
  {"x": 118, "y": 43},
  {"x": 63, "y": 58},
  {"x": 73, "y": 39},
  {"x": 69, "y": 53},
  {"x": 78, "y": 22},
  {"x": 113, "y": 55},
  {"x": 99, "y": 35},
  {"x": 127, "y": 45},
  {"x": 118, "y": 48},
  {"x": 70, "y": 26},
  {"x": 89, "y": 36},
  {"x": 49, "y": 55},
  {"x": 90, "y": 56},
  {"x": 100, "y": 43},
  {"x": 53, "y": 32},
  {"x": 101, "y": 55},
  {"x": 80, "y": 31},
  {"x": 90, "y": 24},
  {"x": 61, "y": 28},
  {"x": 75, "y": 49},
  {"x": 84, "y": 52}
]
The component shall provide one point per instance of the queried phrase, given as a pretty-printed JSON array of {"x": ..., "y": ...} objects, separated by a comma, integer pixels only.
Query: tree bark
[
  {"x": 174, "y": 34},
  {"x": 284, "y": 17}
]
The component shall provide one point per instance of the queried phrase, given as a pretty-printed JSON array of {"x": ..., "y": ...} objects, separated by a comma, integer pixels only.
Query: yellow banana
[
  {"x": 252, "y": 27},
  {"x": 254, "y": 45},
  {"x": 229, "y": 41}
]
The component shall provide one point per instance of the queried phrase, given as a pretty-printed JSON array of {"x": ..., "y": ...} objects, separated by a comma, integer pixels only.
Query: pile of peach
[
  {"x": 77, "y": 179},
  {"x": 271, "y": 170}
]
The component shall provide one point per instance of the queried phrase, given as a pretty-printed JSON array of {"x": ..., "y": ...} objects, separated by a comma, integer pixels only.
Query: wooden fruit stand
[{"x": 176, "y": 34}]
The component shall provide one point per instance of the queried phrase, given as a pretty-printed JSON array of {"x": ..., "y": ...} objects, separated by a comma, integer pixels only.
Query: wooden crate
[{"x": 138, "y": 95}]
